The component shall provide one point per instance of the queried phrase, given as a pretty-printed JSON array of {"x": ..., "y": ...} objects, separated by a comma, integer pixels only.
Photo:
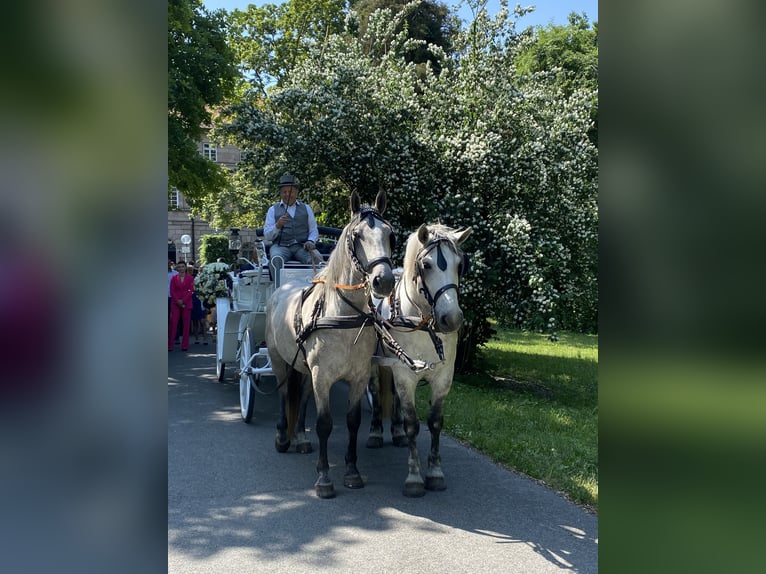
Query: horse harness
[
  {"x": 401, "y": 321},
  {"x": 362, "y": 318},
  {"x": 373, "y": 317}
]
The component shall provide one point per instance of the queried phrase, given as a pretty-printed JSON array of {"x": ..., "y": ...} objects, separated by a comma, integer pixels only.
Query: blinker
[{"x": 440, "y": 260}]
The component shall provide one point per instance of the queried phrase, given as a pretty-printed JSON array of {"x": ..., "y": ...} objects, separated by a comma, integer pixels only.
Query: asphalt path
[{"x": 236, "y": 505}]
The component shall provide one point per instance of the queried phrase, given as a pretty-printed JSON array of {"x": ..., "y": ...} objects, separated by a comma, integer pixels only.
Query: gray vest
[{"x": 297, "y": 229}]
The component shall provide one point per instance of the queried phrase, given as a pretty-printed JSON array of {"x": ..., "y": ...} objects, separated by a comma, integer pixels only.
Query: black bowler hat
[{"x": 288, "y": 179}]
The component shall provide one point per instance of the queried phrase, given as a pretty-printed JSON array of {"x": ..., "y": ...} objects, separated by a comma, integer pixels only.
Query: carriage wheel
[
  {"x": 246, "y": 402},
  {"x": 220, "y": 370}
]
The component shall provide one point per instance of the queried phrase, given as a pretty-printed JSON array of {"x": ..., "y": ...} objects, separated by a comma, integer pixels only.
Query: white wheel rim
[{"x": 245, "y": 353}]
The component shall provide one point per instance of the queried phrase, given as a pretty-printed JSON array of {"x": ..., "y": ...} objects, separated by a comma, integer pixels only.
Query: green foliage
[
  {"x": 201, "y": 75},
  {"x": 534, "y": 407},
  {"x": 212, "y": 247},
  {"x": 478, "y": 144},
  {"x": 426, "y": 21},
  {"x": 272, "y": 39},
  {"x": 570, "y": 53}
]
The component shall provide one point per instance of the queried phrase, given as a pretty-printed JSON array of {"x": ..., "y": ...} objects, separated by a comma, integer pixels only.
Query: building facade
[{"x": 181, "y": 222}]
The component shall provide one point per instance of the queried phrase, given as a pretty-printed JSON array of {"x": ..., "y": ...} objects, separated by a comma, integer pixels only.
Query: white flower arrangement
[{"x": 210, "y": 282}]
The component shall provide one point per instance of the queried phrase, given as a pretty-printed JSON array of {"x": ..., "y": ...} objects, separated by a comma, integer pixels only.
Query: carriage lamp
[
  {"x": 186, "y": 240},
  {"x": 234, "y": 241}
]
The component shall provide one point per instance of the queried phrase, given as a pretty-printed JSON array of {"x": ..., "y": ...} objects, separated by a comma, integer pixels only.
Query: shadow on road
[{"x": 232, "y": 497}]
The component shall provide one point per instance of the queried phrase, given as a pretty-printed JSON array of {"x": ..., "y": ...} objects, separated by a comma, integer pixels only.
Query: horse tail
[
  {"x": 293, "y": 402},
  {"x": 386, "y": 392}
]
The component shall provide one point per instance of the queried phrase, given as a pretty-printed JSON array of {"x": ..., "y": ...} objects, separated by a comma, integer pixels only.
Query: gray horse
[
  {"x": 424, "y": 322},
  {"x": 325, "y": 333}
]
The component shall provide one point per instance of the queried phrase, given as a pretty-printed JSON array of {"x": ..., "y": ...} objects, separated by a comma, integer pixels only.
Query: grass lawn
[{"x": 532, "y": 407}]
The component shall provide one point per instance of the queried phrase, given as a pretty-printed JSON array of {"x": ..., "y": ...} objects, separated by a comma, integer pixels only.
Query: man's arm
[
  {"x": 270, "y": 230},
  {"x": 313, "y": 231}
]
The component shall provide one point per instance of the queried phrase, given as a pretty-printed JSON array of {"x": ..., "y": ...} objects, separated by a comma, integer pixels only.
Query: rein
[
  {"x": 398, "y": 320},
  {"x": 356, "y": 287},
  {"x": 362, "y": 318}
]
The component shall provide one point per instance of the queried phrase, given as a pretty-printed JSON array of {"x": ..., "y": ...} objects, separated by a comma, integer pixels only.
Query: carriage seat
[{"x": 328, "y": 237}]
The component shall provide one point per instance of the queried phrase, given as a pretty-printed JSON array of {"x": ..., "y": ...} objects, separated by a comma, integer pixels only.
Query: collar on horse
[
  {"x": 424, "y": 322},
  {"x": 362, "y": 318}
]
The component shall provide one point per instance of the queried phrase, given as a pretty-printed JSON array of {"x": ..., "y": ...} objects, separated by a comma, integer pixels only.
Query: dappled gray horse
[
  {"x": 326, "y": 331},
  {"x": 423, "y": 318}
]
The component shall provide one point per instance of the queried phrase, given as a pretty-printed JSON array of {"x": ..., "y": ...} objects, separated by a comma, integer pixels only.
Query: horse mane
[
  {"x": 435, "y": 231},
  {"x": 337, "y": 263}
]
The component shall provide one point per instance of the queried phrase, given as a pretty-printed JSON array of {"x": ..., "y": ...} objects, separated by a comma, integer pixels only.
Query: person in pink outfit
[{"x": 181, "y": 289}]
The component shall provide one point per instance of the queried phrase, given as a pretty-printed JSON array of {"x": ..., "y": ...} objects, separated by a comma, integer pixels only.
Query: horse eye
[{"x": 426, "y": 265}]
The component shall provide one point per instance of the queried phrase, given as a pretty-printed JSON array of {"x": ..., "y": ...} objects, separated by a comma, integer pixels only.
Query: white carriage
[{"x": 241, "y": 322}]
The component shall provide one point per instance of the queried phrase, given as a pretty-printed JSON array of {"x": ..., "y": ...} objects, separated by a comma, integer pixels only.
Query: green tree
[
  {"x": 425, "y": 20},
  {"x": 478, "y": 144},
  {"x": 213, "y": 247},
  {"x": 571, "y": 53},
  {"x": 270, "y": 40},
  {"x": 201, "y": 75}
]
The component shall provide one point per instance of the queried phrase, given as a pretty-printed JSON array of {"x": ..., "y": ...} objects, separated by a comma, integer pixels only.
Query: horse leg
[
  {"x": 282, "y": 441},
  {"x": 352, "y": 478},
  {"x": 323, "y": 485},
  {"x": 398, "y": 436},
  {"x": 434, "y": 475},
  {"x": 413, "y": 484},
  {"x": 302, "y": 441},
  {"x": 375, "y": 438}
]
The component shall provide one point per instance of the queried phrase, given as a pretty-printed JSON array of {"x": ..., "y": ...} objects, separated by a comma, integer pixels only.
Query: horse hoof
[
  {"x": 325, "y": 490},
  {"x": 399, "y": 440},
  {"x": 353, "y": 481},
  {"x": 375, "y": 442},
  {"x": 436, "y": 483},
  {"x": 413, "y": 489},
  {"x": 304, "y": 448},
  {"x": 281, "y": 446}
]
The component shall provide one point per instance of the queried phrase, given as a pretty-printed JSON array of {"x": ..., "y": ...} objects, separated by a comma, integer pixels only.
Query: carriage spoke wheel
[
  {"x": 220, "y": 370},
  {"x": 245, "y": 379}
]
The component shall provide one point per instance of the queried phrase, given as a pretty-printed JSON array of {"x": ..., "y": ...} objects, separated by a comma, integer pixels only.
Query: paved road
[{"x": 236, "y": 505}]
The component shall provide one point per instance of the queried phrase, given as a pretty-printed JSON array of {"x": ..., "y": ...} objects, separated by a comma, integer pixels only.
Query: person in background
[
  {"x": 171, "y": 272},
  {"x": 290, "y": 224},
  {"x": 198, "y": 322},
  {"x": 181, "y": 290}
]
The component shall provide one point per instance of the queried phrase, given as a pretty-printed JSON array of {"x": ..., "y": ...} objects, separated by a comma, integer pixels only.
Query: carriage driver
[{"x": 291, "y": 225}]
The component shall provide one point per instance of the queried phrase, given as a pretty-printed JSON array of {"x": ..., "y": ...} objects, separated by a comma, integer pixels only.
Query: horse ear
[
  {"x": 423, "y": 234},
  {"x": 356, "y": 203},
  {"x": 380, "y": 201},
  {"x": 463, "y": 235}
]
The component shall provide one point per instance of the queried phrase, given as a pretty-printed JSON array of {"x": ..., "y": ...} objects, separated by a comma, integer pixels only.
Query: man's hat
[{"x": 288, "y": 179}]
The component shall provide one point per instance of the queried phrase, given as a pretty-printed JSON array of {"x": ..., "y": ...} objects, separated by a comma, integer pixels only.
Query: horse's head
[
  {"x": 438, "y": 266},
  {"x": 370, "y": 241}
]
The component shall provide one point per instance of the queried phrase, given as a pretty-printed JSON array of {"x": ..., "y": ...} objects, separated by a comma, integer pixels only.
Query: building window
[
  {"x": 173, "y": 199},
  {"x": 209, "y": 152}
]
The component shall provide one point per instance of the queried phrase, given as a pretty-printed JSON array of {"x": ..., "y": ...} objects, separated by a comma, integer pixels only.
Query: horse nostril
[
  {"x": 451, "y": 322},
  {"x": 383, "y": 283}
]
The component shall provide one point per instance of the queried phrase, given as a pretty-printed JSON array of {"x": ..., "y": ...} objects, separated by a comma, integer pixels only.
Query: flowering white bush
[
  {"x": 474, "y": 145},
  {"x": 210, "y": 283}
]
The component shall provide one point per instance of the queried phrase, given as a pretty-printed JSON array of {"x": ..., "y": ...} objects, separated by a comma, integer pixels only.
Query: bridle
[
  {"x": 441, "y": 263},
  {"x": 367, "y": 215},
  {"x": 426, "y": 323},
  {"x": 362, "y": 318}
]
